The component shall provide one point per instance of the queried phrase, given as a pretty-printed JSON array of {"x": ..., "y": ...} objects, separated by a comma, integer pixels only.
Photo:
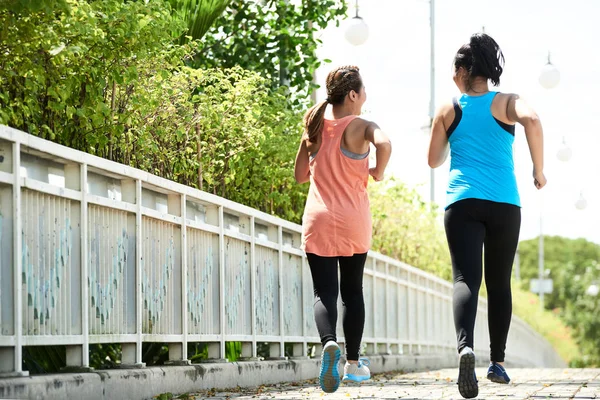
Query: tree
[
  {"x": 574, "y": 266},
  {"x": 560, "y": 255},
  {"x": 275, "y": 38}
]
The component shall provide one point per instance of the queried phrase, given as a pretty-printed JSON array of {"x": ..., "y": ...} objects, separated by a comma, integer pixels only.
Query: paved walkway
[{"x": 440, "y": 384}]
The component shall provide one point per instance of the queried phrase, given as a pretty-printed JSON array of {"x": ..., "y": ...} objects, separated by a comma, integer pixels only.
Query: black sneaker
[
  {"x": 467, "y": 380},
  {"x": 497, "y": 373}
]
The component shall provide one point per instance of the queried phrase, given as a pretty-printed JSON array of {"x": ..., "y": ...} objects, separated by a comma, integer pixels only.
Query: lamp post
[
  {"x": 549, "y": 78},
  {"x": 431, "y": 89}
]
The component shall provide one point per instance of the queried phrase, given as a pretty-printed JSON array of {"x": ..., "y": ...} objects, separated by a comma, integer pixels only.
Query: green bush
[
  {"x": 107, "y": 78},
  {"x": 407, "y": 228}
]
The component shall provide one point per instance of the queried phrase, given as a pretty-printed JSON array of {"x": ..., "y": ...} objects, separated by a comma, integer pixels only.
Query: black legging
[
  {"x": 324, "y": 271},
  {"x": 470, "y": 225}
]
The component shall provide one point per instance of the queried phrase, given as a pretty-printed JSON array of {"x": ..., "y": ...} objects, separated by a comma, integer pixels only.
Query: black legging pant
[
  {"x": 324, "y": 271},
  {"x": 470, "y": 225}
]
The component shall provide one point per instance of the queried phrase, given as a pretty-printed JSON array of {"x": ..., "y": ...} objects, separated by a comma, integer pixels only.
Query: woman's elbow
[
  {"x": 531, "y": 120},
  {"x": 434, "y": 162},
  {"x": 302, "y": 178}
]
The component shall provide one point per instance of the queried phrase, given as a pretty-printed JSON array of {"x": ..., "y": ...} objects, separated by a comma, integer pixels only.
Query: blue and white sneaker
[
  {"x": 496, "y": 373},
  {"x": 467, "y": 380},
  {"x": 357, "y": 372},
  {"x": 329, "y": 377}
]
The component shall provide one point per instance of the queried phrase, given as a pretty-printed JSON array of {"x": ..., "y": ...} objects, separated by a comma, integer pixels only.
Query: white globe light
[
  {"x": 581, "y": 203},
  {"x": 550, "y": 76},
  {"x": 593, "y": 290},
  {"x": 357, "y": 31},
  {"x": 564, "y": 153}
]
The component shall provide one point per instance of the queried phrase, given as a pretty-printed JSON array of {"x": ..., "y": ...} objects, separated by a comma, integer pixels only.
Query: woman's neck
[
  {"x": 478, "y": 87},
  {"x": 340, "y": 111}
]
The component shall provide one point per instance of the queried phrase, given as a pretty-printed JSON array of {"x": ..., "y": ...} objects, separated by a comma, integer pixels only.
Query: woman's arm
[
  {"x": 518, "y": 110},
  {"x": 383, "y": 147},
  {"x": 438, "y": 144},
  {"x": 301, "y": 168}
]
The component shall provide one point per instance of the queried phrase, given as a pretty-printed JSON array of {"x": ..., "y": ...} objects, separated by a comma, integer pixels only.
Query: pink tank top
[{"x": 337, "y": 217}]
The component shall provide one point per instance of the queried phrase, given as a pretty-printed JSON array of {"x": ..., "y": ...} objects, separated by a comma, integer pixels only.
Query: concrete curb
[{"x": 146, "y": 383}]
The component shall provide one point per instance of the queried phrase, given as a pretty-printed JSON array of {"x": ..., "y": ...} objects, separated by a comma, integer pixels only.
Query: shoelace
[{"x": 363, "y": 361}]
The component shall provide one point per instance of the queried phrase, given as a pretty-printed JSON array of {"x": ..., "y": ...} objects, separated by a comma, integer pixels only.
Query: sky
[{"x": 395, "y": 62}]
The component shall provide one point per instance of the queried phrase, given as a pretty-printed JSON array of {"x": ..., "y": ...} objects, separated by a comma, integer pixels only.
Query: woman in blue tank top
[{"x": 483, "y": 205}]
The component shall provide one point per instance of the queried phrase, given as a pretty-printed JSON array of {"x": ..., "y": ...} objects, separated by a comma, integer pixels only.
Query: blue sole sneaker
[
  {"x": 467, "y": 380},
  {"x": 329, "y": 377},
  {"x": 497, "y": 374},
  {"x": 357, "y": 372}
]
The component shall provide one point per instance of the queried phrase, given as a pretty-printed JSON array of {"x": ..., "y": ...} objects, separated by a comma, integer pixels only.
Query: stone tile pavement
[{"x": 439, "y": 384}]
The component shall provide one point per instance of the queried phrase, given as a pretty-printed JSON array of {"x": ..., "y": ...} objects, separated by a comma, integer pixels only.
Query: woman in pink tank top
[{"x": 333, "y": 156}]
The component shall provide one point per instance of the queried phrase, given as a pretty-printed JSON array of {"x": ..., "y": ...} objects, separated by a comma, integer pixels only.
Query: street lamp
[
  {"x": 357, "y": 31},
  {"x": 581, "y": 202},
  {"x": 550, "y": 76},
  {"x": 431, "y": 88},
  {"x": 564, "y": 153}
]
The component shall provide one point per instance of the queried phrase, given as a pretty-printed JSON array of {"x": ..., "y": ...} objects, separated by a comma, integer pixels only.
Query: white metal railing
[{"x": 92, "y": 251}]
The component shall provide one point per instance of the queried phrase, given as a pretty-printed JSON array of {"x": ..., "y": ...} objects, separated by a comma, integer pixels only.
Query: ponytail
[
  {"x": 487, "y": 57},
  {"x": 481, "y": 57},
  {"x": 314, "y": 121}
]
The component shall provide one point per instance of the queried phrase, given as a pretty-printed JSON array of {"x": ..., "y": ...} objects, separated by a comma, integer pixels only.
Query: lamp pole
[{"x": 432, "y": 89}]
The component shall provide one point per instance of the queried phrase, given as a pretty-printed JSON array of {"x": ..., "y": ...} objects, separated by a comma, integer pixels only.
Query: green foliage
[
  {"x": 28, "y": 6},
  {"x": 84, "y": 79},
  {"x": 574, "y": 266},
  {"x": 233, "y": 351},
  {"x": 105, "y": 355},
  {"x": 108, "y": 79},
  {"x": 526, "y": 305},
  {"x": 44, "y": 359},
  {"x": 407, "y": 228},
  {"x": 564, "y": 258},
  {"x": 199, "y": 15},
  {"x": 581, "y": 313},
  {"x": 272, "y": 37},
  {"x": 197, "y": 352}
]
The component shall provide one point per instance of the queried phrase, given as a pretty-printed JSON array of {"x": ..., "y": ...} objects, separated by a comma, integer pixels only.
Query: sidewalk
[{"x": 439, "y": 384}]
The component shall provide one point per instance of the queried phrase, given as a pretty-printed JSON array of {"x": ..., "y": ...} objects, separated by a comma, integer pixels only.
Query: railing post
[
  {"x": 132, "y": 352},
  {"x": 184, "y": 276},
  {"x": 409, "y": 309},
  {"x": 254, "y": 353},
  {"x": 85, "y": 323},
  {"x": 18, "y": 261},
  {"x": 304, "y": 316},
  {"x": 281, "y": 294},
  {"x": 221, "y": 283},
  {"x": 78, "y": 357},
  {"x": 176, "y": 204},
  {"x": 372, "y": 347}
]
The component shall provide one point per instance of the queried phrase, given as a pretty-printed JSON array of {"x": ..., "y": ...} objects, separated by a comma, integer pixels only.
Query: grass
[{"x": 526, "y": 306}]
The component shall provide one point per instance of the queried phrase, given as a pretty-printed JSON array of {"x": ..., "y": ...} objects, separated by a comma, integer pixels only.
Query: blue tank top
[{"x": 481, "y": 150}]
